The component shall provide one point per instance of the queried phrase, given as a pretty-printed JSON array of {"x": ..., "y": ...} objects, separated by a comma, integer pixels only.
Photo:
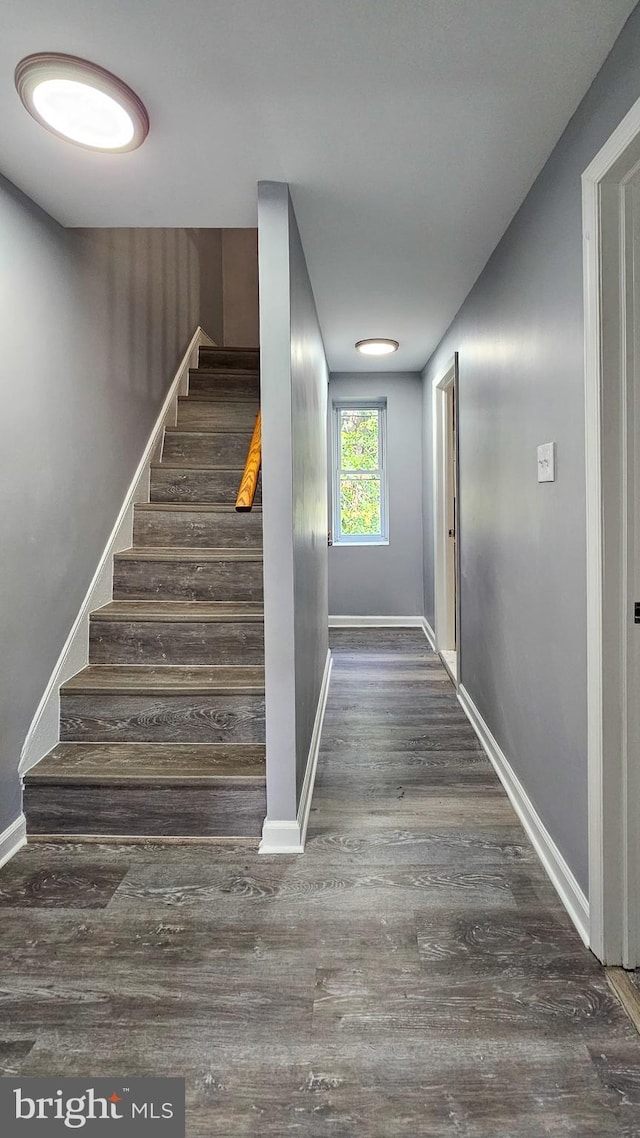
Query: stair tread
[
  {"x": 187, "y": 553},
  {"x": 180, "y": 611},
  {"x": 227, "y": 373},
  {"x": 103, "y": 763},
  {"x": 206, "y": 397},
  {"x": 171, "y": 464},
  {"x": 186, "y": 464},
  {"x": 229, "y": 348},
  {"x": 198, "y": 429},
  {"x": 189, "y": 507},
  {"x": 167, "y": 679},
  {"x": 244, "y": 434}
]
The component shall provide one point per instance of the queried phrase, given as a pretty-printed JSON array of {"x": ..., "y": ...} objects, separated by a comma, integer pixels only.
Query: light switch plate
[{"x": 547, "y": 462}]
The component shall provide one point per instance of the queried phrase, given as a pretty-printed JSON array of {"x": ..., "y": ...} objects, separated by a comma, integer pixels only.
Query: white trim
[
  {"x": 429, "y": 633},
  {"x": 280, "y": 838},
  {"x": 613, "y": 867},
  {"x": 289, "y": 836},
  {"x": 444, "y": 561},
  {"x": 13, "y": 839},
  {"x": 450, "y": 662},
  {"x": 44, "y": 732},
  {"x": 562, "y": 878},
  {"x": 306, "y": 794},
  {"x": 386, "y": 622},
  {"x": 337, "y": 407},
  {"x": 375, "y": 621}
]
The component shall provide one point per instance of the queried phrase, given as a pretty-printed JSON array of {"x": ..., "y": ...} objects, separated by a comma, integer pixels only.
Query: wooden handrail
[{"x": 247, "y": 491}]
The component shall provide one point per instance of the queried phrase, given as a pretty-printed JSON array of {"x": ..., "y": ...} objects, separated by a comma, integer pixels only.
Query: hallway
[{"x": 413, "y": 974}]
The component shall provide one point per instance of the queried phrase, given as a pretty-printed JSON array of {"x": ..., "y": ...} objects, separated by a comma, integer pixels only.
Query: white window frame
[{"x": 379, "y": 405}]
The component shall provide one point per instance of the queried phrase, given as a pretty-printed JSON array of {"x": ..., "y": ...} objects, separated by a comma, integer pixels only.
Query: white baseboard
[
  {"x": 562, "y": 878},
  {"x": 306, "y": 793},
  {"x": 280, "y": 837},
  {"x": 290, "y": 837},
  {"x": 12, "y": 839},
  {"x": 429, "y": 633},
  {"x": 386, "y": 622},
  {"x": 375, "y": 621},
  {"x": 44, "y": 732}
]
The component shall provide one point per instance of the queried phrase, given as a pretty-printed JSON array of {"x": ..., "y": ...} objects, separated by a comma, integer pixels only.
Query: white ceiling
[{"x": 410, "y": 131}]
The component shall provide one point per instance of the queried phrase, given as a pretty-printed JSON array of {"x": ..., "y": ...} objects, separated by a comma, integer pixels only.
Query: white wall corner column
[{"x": 610, "y": 219}]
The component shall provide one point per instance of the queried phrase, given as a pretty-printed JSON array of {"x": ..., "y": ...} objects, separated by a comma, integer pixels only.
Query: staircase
[{"x": 162, "y": 735}]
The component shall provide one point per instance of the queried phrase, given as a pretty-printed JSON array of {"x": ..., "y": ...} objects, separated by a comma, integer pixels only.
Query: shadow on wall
[{"x": 144, "y": 291}]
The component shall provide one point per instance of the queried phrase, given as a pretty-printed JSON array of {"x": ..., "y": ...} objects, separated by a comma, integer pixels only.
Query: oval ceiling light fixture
[
  {"x": 377, "y": 347},
  {"x": 81, "y": 102}
]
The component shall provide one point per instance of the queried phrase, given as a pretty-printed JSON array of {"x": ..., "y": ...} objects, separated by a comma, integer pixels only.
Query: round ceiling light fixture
[
  {"x": 377, "y": 347},
  {"x": 81, "y": 102}
]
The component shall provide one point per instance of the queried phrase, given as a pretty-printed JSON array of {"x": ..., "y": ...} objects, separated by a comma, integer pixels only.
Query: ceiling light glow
[
  {"x": 377, "y": 347},
  {"x": 81, "y": 102},
  {"x": 83, "y": 114}
]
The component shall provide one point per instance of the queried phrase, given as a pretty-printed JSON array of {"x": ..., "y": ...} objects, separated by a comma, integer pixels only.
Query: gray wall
[
  {"x": 522, "y": 545},
  {"x": 240, "y": 287},
  {"x": 93, "y": 324},
  {"x": 294, "y": 414},
  {"x": 386, "y": 580}
]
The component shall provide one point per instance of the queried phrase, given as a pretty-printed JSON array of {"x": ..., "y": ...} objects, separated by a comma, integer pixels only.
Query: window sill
[{"x": 359, "y": 544}]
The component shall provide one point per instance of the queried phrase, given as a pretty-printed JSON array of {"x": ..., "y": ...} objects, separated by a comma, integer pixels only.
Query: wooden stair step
[
  {"x": 185, "y": 553},
  {"x": 216, "y": 384},
  {"x": 234, "y": 810},
  {"x": 175, "y": 482},
  {"x": 217, "y": 415},
  {"x": 195, "y": 524},
  {"x": 192, "y": 446},
  {"x": 178, "y": 611},
  {"x": 199, "y": 632},
  {"x": 106, "y": 763},
  {"x": 148, "y": 708},
  {"x": 226, "y": 357},
  {"x": 111, "y": 790},
  {"x": 126, "y": 679},
  {"x": 157, "y": 573}
]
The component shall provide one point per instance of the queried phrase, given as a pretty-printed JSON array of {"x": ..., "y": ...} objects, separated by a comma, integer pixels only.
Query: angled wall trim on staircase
[{"x": 43, "y": 733}]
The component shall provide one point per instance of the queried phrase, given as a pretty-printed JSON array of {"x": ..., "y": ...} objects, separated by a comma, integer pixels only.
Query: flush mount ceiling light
[
  {"x": 377, "y": 347},
  {"x": 81, "y": 102}
]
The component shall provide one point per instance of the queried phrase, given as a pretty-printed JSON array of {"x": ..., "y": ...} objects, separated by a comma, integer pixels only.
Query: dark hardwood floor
[{"x": 412, "y": 975}]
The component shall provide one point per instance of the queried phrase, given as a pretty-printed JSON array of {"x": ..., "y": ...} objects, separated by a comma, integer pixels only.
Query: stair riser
[
  {"x": 152, "y": 810},
  {"x": 187, "y": 581},
  {"x": 195, "y": 718},
  {"x": 197, "y": 530},
  {"x": 176, "y": 642},
  {"x": 209, "y": 450},
  {"x": 197, "y": 485},
  {"x": 227, "y": 360},
  {"x": 212, "y": 416},
  {"x": 224, "y": 385}
]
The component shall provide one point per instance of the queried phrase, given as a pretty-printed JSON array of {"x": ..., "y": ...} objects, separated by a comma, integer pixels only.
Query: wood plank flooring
[{"x": 412, "y": 975}]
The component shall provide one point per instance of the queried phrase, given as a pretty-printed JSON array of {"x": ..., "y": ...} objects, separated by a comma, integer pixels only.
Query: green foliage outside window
[
  {"x": 360, "y": 505},
  {"x": 359, "y": 440}
]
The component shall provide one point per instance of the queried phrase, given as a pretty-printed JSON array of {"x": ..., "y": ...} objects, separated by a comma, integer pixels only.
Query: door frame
[
  {"x": 446, "y": 575},
  {"x": 613, "y": 763}
]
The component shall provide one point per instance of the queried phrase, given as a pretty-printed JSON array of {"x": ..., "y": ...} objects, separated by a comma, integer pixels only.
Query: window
[{"x": 359, "y": 480}]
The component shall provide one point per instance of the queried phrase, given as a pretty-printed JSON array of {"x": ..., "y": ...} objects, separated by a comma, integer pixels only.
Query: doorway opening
[
  {"x": 446, "y": 512},
  {"x": 611, "y": 244}
]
